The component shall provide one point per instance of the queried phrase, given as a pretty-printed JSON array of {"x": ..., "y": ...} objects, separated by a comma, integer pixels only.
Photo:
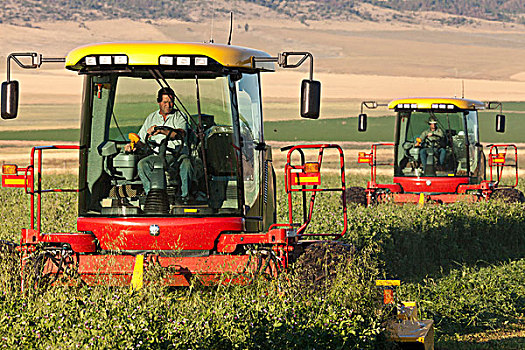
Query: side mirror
[
  {"x": 9, "y": 99},
  {"x": 310, "y": 98},
  {"x": 500, "y": 123},
  {"x": 361, "y": 123}
]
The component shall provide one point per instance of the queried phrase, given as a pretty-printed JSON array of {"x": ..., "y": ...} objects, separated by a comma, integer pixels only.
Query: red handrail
[
  {"x": 39, "y": 190},
  {"x": 498, "y": 160},
  {"x": 373, "y": 170},
  {"x": 289, "y": 189}
]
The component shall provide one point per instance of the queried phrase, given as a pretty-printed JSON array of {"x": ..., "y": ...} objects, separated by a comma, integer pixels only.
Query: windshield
[
  {"x": 433, "y": 143},
  {"x": 170, "y": 152}
]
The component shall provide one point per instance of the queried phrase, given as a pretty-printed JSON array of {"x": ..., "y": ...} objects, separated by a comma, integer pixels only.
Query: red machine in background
[{"x": 438, "y": 156}]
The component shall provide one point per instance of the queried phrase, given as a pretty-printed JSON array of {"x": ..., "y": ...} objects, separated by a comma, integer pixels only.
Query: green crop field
[
  {"x": 464, "y": 265},
  {"x": 333, "y": 130},
  {"x": 380, "y": 128}
]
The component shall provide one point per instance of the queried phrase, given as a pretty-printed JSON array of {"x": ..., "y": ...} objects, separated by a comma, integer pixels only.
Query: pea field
[{"x": 463, "y": 263}]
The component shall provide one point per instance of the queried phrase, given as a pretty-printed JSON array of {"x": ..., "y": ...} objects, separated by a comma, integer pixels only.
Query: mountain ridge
[{"x": 464, "y": 12}]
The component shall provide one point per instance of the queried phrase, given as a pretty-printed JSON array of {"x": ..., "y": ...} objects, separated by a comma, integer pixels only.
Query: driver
[
  {"x": 179, "y": 160},
  {"x": 431, "y": 138}
]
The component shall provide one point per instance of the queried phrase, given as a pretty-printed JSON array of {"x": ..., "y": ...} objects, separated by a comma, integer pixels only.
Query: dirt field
[{"x": 354, "y": 60}]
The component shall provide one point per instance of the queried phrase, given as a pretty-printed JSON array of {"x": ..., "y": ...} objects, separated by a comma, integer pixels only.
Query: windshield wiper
[{"x": 200, "y": 135}]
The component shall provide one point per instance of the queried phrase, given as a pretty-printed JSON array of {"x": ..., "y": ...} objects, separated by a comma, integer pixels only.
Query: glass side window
[
  {"x": 431, "y": 144},
  {"x": 250, "y": 120},
  {"x": 191, "y": 173},
  {"x": 473, "y": 137}
]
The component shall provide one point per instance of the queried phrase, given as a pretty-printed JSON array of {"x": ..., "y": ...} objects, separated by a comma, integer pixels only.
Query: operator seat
[{"x": 221, "y": 164}]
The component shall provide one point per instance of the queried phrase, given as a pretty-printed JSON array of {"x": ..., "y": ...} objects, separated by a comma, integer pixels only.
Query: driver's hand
[
  {"x": 127, "y": 148},
  {"x": 171, "y": 134},
  {"x": 430, "y": 134},
  {"x": 152, "y": 130}
]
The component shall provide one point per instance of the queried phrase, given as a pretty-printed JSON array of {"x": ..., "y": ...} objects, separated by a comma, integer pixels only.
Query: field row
[{"x": 333, "y": 130}]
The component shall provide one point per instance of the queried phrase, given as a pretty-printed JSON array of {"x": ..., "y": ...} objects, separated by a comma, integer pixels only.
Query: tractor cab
[
  {"x": 206, "y": 158},
  {"x": 437, "y": 138},
  {"x": 218, "y": 115}
]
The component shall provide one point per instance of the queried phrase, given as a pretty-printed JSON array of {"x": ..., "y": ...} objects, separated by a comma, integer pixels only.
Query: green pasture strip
[
  {"x": 513, "y": 106},
  {"x": 327, "y": 130},
  {"x": 514, "y": 128},
  {"x": 339, "y": 129},
  {"x": 131, "y": 110},
  {"x": 379, "y": 129}
]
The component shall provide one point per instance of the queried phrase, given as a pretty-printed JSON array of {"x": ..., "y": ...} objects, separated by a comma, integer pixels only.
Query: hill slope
[{"x": 25, "y": 12}]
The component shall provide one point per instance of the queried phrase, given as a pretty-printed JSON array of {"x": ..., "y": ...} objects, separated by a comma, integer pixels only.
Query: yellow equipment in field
[{"x": 406, "y": 329}]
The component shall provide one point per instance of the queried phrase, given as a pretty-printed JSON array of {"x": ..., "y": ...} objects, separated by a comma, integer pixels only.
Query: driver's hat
[{"x": 432, "y": 120}]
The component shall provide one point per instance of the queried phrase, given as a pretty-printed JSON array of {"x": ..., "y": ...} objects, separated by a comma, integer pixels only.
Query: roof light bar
[
  {"x": 106, "y": 60},
  {"x": 442, "y": 106},
  {"x": 407, "y": 106},
  {"x": 183, "y": 61}
]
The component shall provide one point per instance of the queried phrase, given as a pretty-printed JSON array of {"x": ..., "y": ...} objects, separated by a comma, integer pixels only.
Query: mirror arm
[
  {"x": 372, "y": 105},
  {"x": 36, "y": 61},
  {"x": 494, "y": 105},
  {"x": 282, "y": 60}
]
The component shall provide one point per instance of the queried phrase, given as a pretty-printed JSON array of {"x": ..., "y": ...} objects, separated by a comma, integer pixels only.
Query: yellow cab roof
[
  {"x": 427, "y": 102},
  {"x": 148, "y": 53}
]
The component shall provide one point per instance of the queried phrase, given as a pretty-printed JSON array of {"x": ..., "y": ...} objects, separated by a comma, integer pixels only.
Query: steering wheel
[
  {"x": 162, "y": 147},
  {"x": 435, "y": 142}
]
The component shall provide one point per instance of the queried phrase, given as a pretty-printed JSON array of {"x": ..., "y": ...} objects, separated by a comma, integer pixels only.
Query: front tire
[
  {"x": 356, "y": 195},
  {"x": 317, "y": 267}
]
